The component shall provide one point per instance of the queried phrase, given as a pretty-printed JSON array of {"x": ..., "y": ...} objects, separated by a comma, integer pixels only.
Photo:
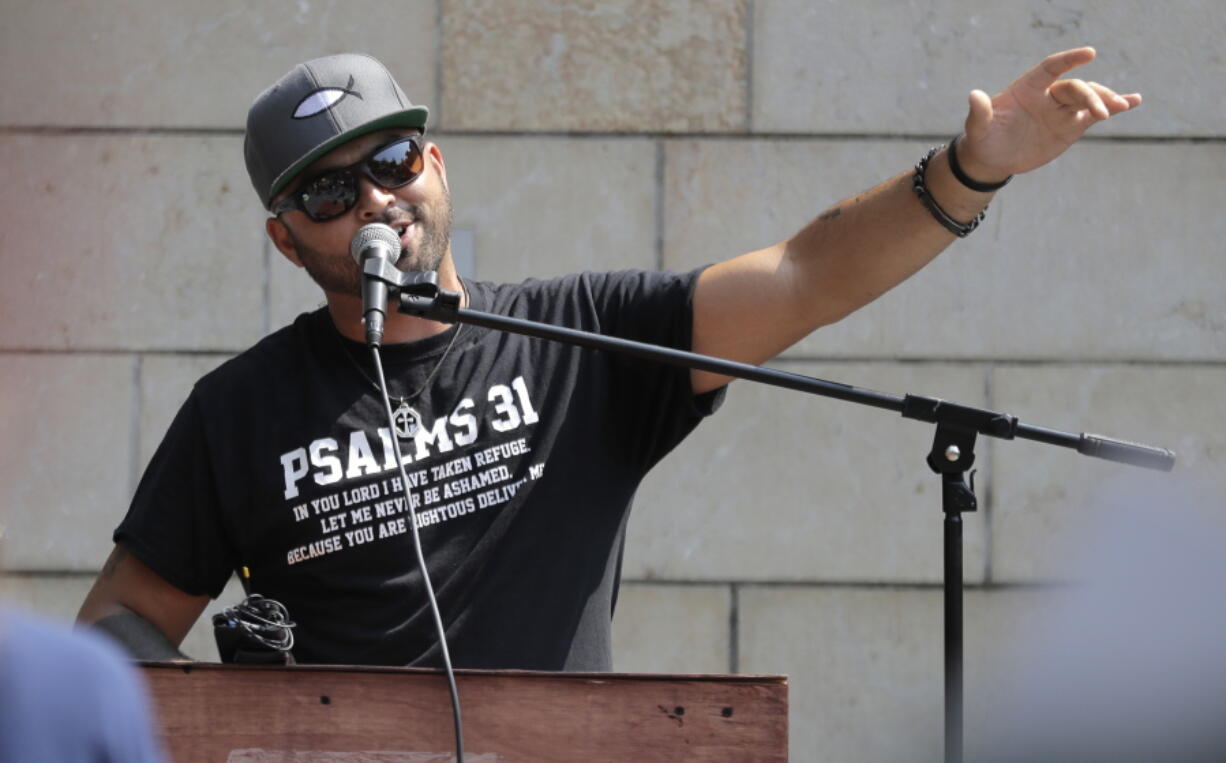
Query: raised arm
[
  {"x": 752, "y": 307},
  {"x": 139, "y": 608}
]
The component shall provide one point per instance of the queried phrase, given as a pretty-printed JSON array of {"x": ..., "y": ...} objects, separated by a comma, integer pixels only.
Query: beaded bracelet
[{"x": 961, "y": 230}]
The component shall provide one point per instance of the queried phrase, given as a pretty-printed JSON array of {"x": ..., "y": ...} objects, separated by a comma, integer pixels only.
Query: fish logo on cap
[{"x": 318, "y": 101}]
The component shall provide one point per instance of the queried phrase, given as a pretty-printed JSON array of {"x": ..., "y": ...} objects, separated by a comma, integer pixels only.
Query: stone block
[
  {"x": 165, "y": 381},
  {"x": 52, "y": 597},
  {"x": 671, "y": 629},
  {"x": 881, "y": 67},
  {"x": 723, "y": 198},
  {"x": 67, "y": 459},
  {"x": 539, "y": 207},
  {"x": 464, "y": 251},
  {"x": 1077, "y": 261},
  {"x": 629, "y": 65},
  {"x": 291, "y": 291},
  {"x": 1052, "y": 507},
  {"x": 129, "y": 242},
  {"x": 780, "y": 486},
  {"x": 59, "y": 597},
  {"x": 865, "y": 666},
  {"x": 185, "y": 64},
  {"x": 1089, "y": 265}
]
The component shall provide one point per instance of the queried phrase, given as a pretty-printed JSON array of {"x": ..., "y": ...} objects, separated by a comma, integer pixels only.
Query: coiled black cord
[{"x": 264, "y": 621}]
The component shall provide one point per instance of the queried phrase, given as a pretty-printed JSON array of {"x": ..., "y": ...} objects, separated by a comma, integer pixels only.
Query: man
[{"x": 522, "y": 456}]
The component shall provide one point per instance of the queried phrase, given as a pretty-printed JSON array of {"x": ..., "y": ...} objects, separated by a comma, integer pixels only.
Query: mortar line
[
  {"x": 862, "y": 585},
  {"x": 734, "y": 629},
  {"x": 107, "y": 351},
  {"x": 438, "y": 62},
  {"x": 266, "y": 309},
  {"x": 600, "y": 135},
  {"x": 134, "y": 440},
  {"x": 791, "y": 360},
  {"x": 749, "y": 48},
  {"x": 659, "y": 205},
  {"x": 989, "y": 396}
]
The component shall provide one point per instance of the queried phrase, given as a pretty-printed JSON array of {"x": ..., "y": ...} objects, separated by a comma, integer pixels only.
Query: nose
[{"x": 373, "y": 199}]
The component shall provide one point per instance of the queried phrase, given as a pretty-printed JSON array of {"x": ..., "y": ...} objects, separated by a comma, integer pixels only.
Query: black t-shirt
[{"x": 522, "y": 467}]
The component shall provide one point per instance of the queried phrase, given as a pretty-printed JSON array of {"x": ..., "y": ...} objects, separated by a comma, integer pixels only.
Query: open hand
[{"x": 1035, "y": 118}]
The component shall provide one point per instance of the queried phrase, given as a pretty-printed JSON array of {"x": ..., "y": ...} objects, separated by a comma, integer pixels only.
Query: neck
[{"x": 398, "y": 328}]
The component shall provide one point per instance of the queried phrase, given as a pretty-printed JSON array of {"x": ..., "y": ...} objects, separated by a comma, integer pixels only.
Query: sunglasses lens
[
  {"x": 397, "y": 164},
  {"x": 329, "y": 195},
  {"x": 334, "y": 193}
]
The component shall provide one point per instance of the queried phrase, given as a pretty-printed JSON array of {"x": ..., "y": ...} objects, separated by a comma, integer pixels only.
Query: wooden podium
[{"x": 311, "y": 714}]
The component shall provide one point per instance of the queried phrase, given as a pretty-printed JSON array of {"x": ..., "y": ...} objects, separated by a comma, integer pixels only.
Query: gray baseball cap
[{"x": 317, "y": 106}]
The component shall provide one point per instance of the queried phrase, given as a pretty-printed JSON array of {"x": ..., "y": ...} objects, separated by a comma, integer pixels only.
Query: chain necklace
[{"x": 405, "y": 418}]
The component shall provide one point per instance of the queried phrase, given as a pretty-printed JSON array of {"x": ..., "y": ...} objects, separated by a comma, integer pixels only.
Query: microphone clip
[{"x": 418, "y": 290}]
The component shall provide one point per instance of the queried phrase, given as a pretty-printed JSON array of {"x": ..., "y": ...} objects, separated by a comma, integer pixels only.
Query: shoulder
[
  {"x": 290, "y": 350},
  {"x": 587, "y": 291}
]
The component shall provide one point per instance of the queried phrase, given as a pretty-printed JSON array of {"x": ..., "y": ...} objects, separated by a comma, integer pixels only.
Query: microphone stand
[{"x": 951, "y": 455}]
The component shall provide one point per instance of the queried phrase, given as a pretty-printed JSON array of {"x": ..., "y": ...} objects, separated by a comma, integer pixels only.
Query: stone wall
[{"x": 791, "y": 534}]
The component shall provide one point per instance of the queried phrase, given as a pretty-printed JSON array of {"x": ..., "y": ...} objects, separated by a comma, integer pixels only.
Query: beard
[{"x": 341, "y": 274}]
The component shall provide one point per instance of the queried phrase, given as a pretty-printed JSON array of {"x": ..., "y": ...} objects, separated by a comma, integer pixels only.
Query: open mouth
[{"x": 403, "y": 229}]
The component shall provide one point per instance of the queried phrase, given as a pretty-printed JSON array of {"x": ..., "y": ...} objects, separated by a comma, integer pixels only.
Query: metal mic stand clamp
[{"x": 418, "y": 290}]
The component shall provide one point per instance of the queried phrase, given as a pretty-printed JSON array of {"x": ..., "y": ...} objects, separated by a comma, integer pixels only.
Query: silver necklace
[{"x": 405, "y": 418}]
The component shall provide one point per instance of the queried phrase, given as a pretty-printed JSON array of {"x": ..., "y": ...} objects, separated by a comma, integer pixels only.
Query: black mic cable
[
  {"x": 379, "y": 241},
  {"x": 421, "y": 560}
]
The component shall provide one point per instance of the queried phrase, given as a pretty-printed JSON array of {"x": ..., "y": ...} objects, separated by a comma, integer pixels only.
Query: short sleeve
[
  {"x": 174, "y": 523},
  {"x": 655, "y": 399}
]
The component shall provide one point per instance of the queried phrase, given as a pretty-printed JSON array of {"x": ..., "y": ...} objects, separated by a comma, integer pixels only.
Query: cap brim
[{"x": 414, "y": 118}]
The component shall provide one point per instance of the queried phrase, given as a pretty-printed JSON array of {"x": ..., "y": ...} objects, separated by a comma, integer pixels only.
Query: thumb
[{"x": 980, "y": 115}]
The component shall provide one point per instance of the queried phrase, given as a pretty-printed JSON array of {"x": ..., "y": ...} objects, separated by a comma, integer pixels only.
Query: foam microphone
[{"x": 378, "y": 241}]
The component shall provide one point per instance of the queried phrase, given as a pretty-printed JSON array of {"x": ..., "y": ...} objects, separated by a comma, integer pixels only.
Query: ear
[
  {"x": 434, "y": 155},
  {"x": 282, "y": 239}
]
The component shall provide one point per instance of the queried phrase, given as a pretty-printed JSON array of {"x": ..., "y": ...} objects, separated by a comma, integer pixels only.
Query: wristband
[
  {"x": 965, "y": 179},
  {"x": 961, "y": 230}
]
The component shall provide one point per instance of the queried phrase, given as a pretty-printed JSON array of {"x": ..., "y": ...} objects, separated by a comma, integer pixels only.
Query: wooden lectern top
[{"x": 345, "y": 714}]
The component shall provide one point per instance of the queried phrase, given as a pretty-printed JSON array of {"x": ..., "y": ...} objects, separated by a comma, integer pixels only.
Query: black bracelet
[
  {"x": 965, "y": 179},
  {"x": 961, "y": 230}
]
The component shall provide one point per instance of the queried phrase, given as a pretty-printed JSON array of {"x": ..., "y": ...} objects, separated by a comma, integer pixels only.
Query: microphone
[{"x": 377, "y": 241}]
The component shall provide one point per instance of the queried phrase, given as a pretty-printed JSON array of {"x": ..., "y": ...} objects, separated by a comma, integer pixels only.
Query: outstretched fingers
[
  {"x": 1115, "y": 102},
  {"x": 1057, "y": 65},
  {"x": 1078, "y": 95}
]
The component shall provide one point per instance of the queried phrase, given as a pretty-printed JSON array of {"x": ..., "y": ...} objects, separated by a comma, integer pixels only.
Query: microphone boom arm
[{"x": 421, "y": 296}]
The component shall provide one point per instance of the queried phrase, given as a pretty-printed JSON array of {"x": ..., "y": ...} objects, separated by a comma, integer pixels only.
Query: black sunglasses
[{"x": 333, "y": 192}]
